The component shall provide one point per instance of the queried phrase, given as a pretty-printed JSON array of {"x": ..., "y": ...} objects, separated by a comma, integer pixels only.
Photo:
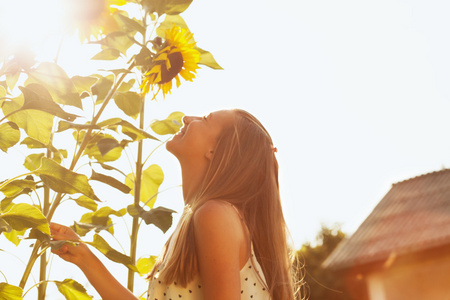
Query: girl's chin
[{"x": 171, "y": 145}]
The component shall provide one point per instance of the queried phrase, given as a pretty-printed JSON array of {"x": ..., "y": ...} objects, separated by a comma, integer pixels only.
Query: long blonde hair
[{"x": 244, "y": 172}]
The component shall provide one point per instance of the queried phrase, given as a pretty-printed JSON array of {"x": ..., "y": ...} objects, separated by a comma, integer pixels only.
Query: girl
[{"x": 231, "y": 241}]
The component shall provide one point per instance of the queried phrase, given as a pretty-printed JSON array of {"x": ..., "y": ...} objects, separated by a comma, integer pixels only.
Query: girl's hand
[{"x": 77, "y": 253}]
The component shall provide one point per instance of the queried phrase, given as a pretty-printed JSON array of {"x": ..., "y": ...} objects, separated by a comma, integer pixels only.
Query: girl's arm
[
  {"x": 80, "y": 255},
  {"x": 222, "y": 249}
]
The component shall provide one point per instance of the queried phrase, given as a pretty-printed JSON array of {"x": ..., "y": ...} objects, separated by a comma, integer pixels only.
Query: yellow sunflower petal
[
  {"x": 161, "y": 56},
  {"x": 166, "y": 87},
  {"x": 177, "y": 40}
]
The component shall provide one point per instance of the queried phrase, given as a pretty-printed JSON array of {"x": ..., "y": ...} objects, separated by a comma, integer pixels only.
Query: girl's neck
[{"x": 192, "y": 177}]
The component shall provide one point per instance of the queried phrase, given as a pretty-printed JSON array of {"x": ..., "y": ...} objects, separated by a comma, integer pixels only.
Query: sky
[{"x": 355, "y": 95}]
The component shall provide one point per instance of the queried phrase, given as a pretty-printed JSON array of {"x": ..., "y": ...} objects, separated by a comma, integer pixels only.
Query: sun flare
[{"x": 27, "y": 23}]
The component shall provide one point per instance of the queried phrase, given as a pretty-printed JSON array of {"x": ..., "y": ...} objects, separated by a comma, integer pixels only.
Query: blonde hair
[{"x": 244, "y": 172}]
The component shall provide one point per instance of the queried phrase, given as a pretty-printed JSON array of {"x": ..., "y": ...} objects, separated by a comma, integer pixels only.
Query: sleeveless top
[{"x": 253, "y": 283}]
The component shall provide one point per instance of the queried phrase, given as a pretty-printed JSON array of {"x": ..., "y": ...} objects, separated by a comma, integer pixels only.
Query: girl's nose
[{"x": 187, "y": 119}]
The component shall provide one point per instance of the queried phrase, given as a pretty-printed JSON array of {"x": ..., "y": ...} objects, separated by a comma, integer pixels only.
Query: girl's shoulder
[{"x": 218, "y": 211}]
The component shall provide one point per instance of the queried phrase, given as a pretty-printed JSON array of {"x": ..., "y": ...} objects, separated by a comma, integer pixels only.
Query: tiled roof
[{"x": 413, "y": 216}]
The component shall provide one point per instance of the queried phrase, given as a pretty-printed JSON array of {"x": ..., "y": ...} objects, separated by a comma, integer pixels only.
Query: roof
[{"x": 413, "y": 216}]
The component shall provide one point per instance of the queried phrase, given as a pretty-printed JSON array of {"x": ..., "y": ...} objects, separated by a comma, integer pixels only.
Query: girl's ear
[{"x": 209, "y": 154}]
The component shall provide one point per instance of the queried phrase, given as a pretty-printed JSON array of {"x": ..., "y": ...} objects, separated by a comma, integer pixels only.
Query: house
[{"x": 402, "y": 250}]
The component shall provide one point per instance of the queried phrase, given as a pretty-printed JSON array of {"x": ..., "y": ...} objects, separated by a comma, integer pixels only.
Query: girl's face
[{"x": 197, "y": 138}]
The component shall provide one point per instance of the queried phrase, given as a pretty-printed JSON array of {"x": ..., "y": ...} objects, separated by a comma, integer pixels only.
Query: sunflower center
[{"x": 176, "y": 64}]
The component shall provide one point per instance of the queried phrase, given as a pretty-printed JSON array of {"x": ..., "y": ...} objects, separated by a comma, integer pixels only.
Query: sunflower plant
[{"x": 42, "y": 108}]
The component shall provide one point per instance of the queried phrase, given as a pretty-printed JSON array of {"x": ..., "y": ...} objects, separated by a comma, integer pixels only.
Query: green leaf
[
  {"x": 2, "y": 94},
  {"x": 107, "y": 144},
  {"x": 33, "y": 161},
  {"x": 101, "y": 245},
  {"x": 152, "y": 178},
  {"x": 4, "y": 226},
  {"x": 37, "y": 235},
  {"x": 161, "y": 217},
  {"x": 37, "y": 97},
  {"x": 84, "y": 84},
  {"x": 129, "y": 103},
  {"x": 86, "y": 202},
  {"x": 3, "y": 88},
  {"x": 145, "y": 264},
  {"x": 56, "y": 81},
  {"x": 6, "y": 204},
  {"x": 102, "y": 87},
  {"x": 37, "y": 124},
  {"x": 22, "y": 216},
  {"x": 132, "y": 24},
  {"x": 117, "y": 40},
  {"x": 62, "y": 180},
  {"x": 103, "y": 147},
  {"x": 134, "y": 211},
  {"x": 111, "y": 181},
  {"x": 9, "y": 135},
  {"x": 175, "y": 7},
  {"x": 111, "y": 168},
  {"x": 107, "y": 54},
  {"x": 127, "y": 128},
  {"x": 10, "y": 292},
  {"x": 170, "y": 125},
  {"x": 55, "y": 245},
  {"x": 169, "y": 7},
  {"x": 72, "y": 290},
  {"x": 16, "y": 187},
  {"x": 126, "y": 86},
  {"x": 13, "y": 236},
  {"x": 168, "y": 23},
  {"x": 63, "y": 125},
  {"x": 207, "y": 59},
  {"x": 144, "y": 57},
  {"x": 98, "y": 220},
  {"x": 83, "y": 228},
  {"x": 32, "y": 143},
  {"x": 12, "y": 74}
]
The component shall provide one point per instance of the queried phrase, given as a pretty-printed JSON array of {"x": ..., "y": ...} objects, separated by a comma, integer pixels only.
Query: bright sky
[{"x": 354, "y": 93}]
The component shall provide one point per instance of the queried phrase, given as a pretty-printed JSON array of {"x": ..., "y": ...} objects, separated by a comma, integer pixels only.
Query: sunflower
[
  {"x": 92, "y": 17},
  {"x": 177, "y": 57}
]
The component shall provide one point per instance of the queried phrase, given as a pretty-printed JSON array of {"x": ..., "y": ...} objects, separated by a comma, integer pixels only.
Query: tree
[{"x": 322, "y": 284}]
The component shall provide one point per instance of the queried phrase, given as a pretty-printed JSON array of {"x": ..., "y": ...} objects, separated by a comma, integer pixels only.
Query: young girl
[{"x": 230, "y": 242}]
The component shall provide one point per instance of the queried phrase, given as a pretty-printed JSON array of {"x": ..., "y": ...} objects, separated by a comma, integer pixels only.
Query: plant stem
[
  {"x": 88, "y": 136},
  {"x": 59, "y": 196},
  {"x": 30, "y": 264},
  {"x": 43, "y": 260},
  {"x": 97, "y": 116},
  {"x": 137, "y": 197}
]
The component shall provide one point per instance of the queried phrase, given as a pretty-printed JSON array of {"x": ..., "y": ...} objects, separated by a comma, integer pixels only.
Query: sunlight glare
[{"x": 28, "y": 22}]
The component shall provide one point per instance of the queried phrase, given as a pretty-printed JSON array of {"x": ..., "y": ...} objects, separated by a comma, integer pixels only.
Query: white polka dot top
[{"x": 251, "y": 286}]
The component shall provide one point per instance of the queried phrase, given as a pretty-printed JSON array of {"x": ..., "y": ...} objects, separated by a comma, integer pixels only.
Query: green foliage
[
  {"x": 56, "y": 81},
  {"x": 9, "y": 135},
  {"x": 170, "y": 125},
  {"x": 23, "y": 216},
  {"x": 323, "y": 284},
  {"x": 151, "y": 179},
  {"x": 101, "y": 245},
  {"x": 37, "y": 124},
  {"x": 62, "y": 180},
  {"x": 41, "y": 106},
  {"x": 145, "y": 264},
  {"x": 10, "y": 292},
  {"x": 72, "y": 290}
]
